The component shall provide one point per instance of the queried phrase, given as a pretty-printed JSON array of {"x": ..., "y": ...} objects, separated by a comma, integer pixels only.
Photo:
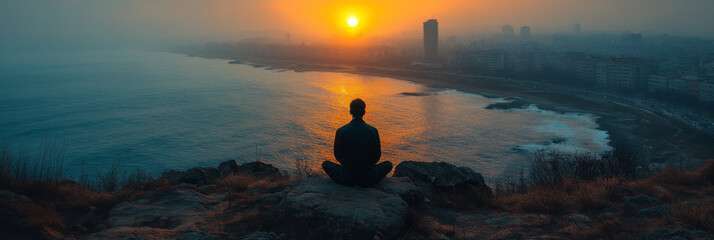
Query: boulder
[
  {"x": 579, "y": 218},
  {"x": 227, "y": 167},
  {"x": 433, "y": 177},
  {"x": 168, "y": 210},
  {"x": 261, "y": 236},
  {"x": 652, "y": 212},
  {"x": 10, "y": 197},
  {"x": 675, "y": 232},
  {"x": 162, "y": 215},
  {"x": 200, "y": 176},
  {"x": 173, "y": 176},
  {"x": 504, "y": 220},
  {"x": 68, "y": 183},
  {"x": 330, "y": 210},
  {"x": 635, "y": 203},
  {"x": 212, "y": 174},
  {"x": 259, "y": 170}
]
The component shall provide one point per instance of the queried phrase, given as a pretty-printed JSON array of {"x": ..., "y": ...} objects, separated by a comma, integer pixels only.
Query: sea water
[{"x": 160, "y": 111}]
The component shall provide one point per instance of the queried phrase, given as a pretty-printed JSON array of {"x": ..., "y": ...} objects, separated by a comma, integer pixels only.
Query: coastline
[{"x": 661, "y": 139}]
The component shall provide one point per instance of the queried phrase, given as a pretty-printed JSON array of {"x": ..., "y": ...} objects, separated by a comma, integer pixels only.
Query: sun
[{"x": 352, "y": 21}]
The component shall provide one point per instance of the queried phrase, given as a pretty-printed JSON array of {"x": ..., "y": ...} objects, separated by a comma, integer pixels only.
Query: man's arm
[
  {"x": 379, "y": 147},
  {"x": 338, "y": 148}
]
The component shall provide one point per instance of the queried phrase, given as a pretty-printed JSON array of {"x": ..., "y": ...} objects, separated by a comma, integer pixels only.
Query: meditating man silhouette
[{"x": 358, "y": 149}]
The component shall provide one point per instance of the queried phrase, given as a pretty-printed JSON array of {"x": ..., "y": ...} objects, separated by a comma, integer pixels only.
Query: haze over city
[{"x": 101, "y": 23}]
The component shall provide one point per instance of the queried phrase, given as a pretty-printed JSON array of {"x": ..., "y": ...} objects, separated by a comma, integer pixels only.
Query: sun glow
[{"x": 352, "y": 21}]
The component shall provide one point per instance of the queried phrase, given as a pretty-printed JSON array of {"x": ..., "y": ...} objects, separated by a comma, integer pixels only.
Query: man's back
[
  {"x": 357, "y": 145},
  {"x": 358, "y": 149}
]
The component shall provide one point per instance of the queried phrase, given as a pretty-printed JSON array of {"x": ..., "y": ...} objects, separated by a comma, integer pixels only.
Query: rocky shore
[{"x": 420, "y": 200}]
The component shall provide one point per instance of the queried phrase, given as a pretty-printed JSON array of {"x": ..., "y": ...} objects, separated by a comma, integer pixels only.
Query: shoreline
[{"x": 642, "y": 131}]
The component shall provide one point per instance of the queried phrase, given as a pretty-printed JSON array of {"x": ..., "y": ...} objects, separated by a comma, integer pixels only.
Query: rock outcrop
[
  {"x": 208, "y": 175},
  {"x": 330, "y": 210},
  {"x": 201, "y": 176},
  {"x": 434, "y": 177},
  {"x": 259, "y": 170},
  {"x": 175, "y": 214},
  {"x": 635, "y": 203}
]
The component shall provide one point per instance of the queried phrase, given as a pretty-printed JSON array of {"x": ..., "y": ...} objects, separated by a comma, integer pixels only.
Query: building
[
  {"x": 525, "y": 31},
  {"x": 658, "y": 83},
  {"x": 679, "y": 85},
  {"x": 431, "y": 40},
  {"x": 478, "y": 60},
  {"x": 507, "y": 31},
  {"x": 589, "y": 68},
  {"x": 601, "y": 73},
  {"x": 706, "y": 91},
  {"x": 626, "y": 73},
  {"x": 576, "y": 28}
]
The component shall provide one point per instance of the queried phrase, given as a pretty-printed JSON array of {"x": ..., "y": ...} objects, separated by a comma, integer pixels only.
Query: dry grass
[
  {"x": 240, "y": 182},
  {"x": 422, "y": 226},
  {"x": 608, "y": 229},
  {"x": 46, "y": 164},
  {"x": 580, "y": 195},
  {"x": 551, "y": 168},
  {"x": 569, "y": 196},
  {"x": 50, "y": 206},
  {"x": 689, "y": 195},
  {"x": 698, "y": 212},
  {"x": 474, "y": 197},
  {"x": 704, "y": 176}
]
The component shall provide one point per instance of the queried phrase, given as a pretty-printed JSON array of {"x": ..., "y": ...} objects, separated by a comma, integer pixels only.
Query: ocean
[{"x": 159, "y": 111}]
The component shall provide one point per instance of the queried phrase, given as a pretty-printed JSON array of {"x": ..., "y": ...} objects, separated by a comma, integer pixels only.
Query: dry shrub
[
  {"x": 547, "y": 199},
  {"x": 303, "y": 169},
  {"x": 103, "y": 201},
  {"x": 552, "y": 168},
  {"x": 704, "y": 176},
  {"x": 111, "y": 179},
  {"x": 597, "y": 194},
  {"x": 26, "y": 220},
  {"x": 568, "y": 196},
  {"x": 696, "y": 213},
  {"x": 47, "y": 205},
  {"x": 239, "y": 182}
]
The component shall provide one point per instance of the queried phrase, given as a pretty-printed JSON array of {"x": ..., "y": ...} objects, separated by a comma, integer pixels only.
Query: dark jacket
[{"x": 357, "y": 148}]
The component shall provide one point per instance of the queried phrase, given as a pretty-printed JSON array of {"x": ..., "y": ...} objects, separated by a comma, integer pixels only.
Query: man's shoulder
[
  {"x": 370, "y": 127},
  {"x": 343, "y": 128},
  {"x": 356, "y": 126}
]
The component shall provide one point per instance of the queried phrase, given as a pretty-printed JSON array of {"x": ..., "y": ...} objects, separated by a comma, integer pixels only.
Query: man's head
[{"x": 357, "y": 107}]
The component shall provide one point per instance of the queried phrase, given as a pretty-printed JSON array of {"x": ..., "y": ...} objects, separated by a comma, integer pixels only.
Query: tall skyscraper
[
  {"x": 507, "y": 30},
  {"x": 576, "y": 28},
  {"x": 525, "y": 31},
  {"x": 431, "y": 40}
]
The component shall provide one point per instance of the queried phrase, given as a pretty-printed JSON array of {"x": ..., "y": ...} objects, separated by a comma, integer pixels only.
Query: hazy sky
[{"x": 102, "y": 23}]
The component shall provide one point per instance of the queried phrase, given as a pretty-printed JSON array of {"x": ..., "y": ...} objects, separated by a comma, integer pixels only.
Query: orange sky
[
  {"x": 324, "y": 19},
  {"x": 112, "y": 22},
  {"x": 327, "y": 18}
]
